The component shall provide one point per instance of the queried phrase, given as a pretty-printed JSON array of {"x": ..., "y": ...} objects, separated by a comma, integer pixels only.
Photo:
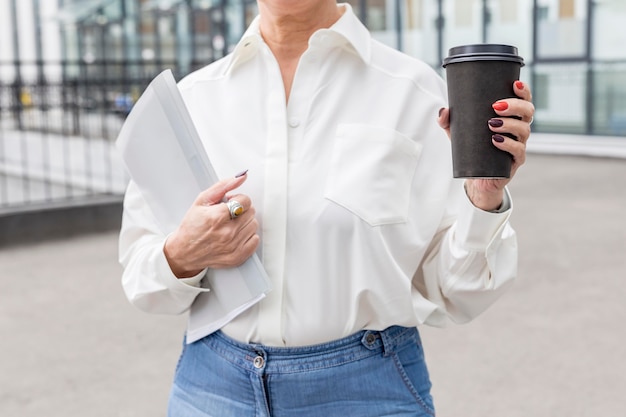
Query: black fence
[
  {"x": 58, "y": 124},
  {"x": 59, "y": 121},
  {"x": 77, "y": 91}
]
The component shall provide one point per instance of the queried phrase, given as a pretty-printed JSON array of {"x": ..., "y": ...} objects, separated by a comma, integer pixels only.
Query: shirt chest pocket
[{"x": 371, "y": 171}]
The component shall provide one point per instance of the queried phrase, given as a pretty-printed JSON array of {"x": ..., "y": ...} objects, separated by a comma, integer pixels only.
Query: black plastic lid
[{"x": 483, "y": 52}]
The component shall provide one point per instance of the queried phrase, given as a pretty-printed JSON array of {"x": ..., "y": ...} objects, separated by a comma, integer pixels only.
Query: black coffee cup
[{"x": 478, "y": 76}]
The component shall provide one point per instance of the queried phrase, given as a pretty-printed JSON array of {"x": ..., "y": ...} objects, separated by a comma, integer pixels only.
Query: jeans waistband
[{"x": 272, "y": 359}]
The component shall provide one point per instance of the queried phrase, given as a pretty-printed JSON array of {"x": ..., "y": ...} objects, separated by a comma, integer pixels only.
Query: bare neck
[{"x": 286, "y": 28}]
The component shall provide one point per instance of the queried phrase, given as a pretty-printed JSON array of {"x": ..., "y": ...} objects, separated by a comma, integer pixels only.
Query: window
[
  {"x": 562, "y": 29},
  {"x": 463, "y": 12},
  {"x": 508, "y": 11},
  {"x": 540, "y": 91},
  {"x": 414, "y": 12},
  {"x": 566, "y": 9},
  {"x": 377, "y": 15}
]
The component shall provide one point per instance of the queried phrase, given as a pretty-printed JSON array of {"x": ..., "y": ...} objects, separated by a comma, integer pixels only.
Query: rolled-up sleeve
[{"x": 472, "y": 262}]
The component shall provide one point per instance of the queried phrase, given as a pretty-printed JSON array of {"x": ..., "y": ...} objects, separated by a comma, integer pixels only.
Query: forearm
[
  {"x": 148, "y": 281},
  {"x": 485, "y": 200},
  {"x": 472, "y": 262},
  {"x": 477, "y": 278},
  {"x": 150, "y": 285}
]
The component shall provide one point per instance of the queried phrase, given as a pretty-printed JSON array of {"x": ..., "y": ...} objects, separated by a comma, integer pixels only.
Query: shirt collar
[
  {"x": 247, "y": 46},
  {"x": 355, "y": 34},
  {"x": 348, "y": 31}
]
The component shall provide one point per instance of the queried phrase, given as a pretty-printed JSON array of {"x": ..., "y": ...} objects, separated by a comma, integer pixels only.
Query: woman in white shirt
[{"x": 347, "y": 196}]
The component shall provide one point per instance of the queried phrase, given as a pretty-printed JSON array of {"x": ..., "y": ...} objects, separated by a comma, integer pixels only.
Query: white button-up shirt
[{"x": 362, "y": 225}]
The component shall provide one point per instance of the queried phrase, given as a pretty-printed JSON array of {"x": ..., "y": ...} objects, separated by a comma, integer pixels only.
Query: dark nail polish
[
  {"x": 241, "y": 174},
  {"x": 498, "y": 138},
  {"x": 496, "y": 123},
  {"x": 440, "y": 111}
]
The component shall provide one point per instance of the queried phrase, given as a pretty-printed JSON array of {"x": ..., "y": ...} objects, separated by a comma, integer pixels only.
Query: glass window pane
[
  {"x": 609, "y": 36},
  {"x": 166, "y": 27},
  {"x": 566, "y": 9},
  {"x": 380, "y": 20},
  {"x": 464, "y": 13},
  {"x": 419, "y": 30},
  {"x": 413, "y": 27},
  {"x": 511, "y": 23},
  {"x": 201, "y": 36},
  {"x": 413, "y": 19},
  {"x": 508, "y": 11},
  {"x": 558, "y": 84},
  {"x": 463, "y": 22},
  {"x": 561, "y": 28},
  {"x": 377, "y": 15},
  {"x": 609, "y": 101}
]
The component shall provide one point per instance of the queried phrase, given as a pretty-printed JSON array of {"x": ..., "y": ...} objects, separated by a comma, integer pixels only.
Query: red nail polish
[
  {"x": 500, "y": 105},
  {"x": 519, "y": 85}
]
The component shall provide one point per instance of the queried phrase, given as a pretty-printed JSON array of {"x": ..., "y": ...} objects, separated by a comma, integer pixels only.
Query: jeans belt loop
[{"x": 389, "y": 343}]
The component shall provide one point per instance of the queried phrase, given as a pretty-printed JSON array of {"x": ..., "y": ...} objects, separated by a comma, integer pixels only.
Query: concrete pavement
[{"x": 554, "y": 346}]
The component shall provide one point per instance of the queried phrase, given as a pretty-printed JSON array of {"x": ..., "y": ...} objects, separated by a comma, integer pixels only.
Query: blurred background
[{"x": 70, "y": 72}]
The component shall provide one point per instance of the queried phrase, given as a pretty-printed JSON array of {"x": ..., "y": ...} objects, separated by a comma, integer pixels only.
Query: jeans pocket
[
  {"x": 411, "y": 367},
  {"x": 371, "y": 172}
]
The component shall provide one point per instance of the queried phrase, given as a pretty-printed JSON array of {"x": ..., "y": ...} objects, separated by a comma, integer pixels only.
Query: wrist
[
  {"x": 177, "y": 266},
  {"x": 487, "y": 200}
]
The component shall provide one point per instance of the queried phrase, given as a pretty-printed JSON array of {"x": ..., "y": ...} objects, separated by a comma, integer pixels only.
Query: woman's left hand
[{"x": 487, "y": 194}]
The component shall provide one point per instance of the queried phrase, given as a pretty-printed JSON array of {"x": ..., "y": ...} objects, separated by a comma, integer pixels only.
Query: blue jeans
[{"x": 368, "y": 374}]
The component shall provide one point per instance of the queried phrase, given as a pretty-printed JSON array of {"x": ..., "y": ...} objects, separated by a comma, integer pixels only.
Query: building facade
[{"x": 108, "y": 49}]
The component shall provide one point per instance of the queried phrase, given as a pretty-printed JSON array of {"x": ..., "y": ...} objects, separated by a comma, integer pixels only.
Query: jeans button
[
  {"x": 370, "y": 338},
  {"x": 258, "y": 362}
]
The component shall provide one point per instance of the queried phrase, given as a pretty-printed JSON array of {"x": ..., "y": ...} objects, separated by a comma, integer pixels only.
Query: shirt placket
[{"x": 274, "y": 204}]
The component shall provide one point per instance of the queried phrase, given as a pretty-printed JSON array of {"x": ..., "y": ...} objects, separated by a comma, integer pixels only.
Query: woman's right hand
[{"x": 207, "y": 237}]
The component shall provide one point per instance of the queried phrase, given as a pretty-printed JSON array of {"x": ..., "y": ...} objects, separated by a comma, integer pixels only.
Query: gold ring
[{"x": 234, "y": 208}]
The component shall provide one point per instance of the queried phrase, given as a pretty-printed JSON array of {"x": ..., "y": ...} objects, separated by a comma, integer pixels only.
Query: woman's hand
[
  {"x": 207, "y": 237},
  {"x": 487, "y": 194}
]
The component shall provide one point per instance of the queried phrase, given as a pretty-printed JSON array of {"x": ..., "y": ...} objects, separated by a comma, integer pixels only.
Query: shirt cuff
[
  {"x": 476, "y": 228},
  {"x": 194, "y": 281},
  {"x": 506, "y": 203}
]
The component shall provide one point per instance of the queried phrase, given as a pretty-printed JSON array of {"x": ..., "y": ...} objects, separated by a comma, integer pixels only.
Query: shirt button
[
  {"x": 294, "y": 123},
  {"x": 259, "y": 362}
]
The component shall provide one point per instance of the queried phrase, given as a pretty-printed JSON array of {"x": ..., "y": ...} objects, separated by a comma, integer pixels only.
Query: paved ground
[{"x": 554, "y": 346}]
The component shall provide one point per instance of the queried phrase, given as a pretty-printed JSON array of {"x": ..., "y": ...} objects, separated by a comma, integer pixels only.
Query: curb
[
  {"x": 42, "y": 222},
  {"x": 577, "y": 145}
]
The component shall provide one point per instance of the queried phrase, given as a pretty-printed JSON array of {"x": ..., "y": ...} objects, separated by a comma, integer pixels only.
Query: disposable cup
[{"x": 477, "y": 76}]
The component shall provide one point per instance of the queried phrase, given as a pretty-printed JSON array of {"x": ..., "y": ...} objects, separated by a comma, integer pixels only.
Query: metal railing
[{"x": 57, "y": 135}]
